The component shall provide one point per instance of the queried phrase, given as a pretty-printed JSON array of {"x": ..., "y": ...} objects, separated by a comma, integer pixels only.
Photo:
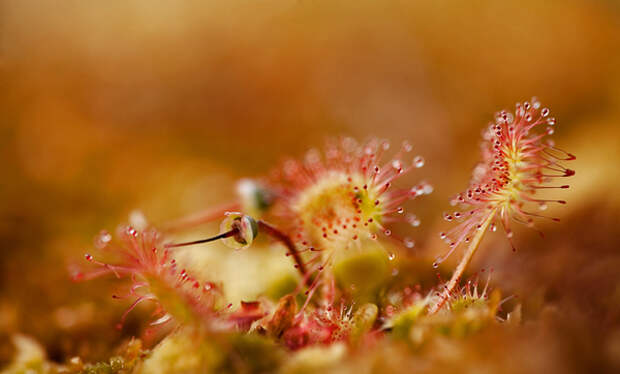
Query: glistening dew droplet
[
  {"x": 102, "y": 240},
  {"x": 418, "y": 161},
  {"x": 409, "y": 243},
  {"x": 413, "y": 220}
]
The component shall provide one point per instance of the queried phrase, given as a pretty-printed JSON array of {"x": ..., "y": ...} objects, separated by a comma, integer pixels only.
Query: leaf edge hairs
[{"x": 516, "y": 163}]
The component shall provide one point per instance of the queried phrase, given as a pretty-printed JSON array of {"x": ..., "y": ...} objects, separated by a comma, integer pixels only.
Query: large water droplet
[
  {"x": 391, "y": 256},
  {"x": 409, "y": 243},
  {"x": 417, "y": 191},
  {"x": 418, "y": 161},
  {"x": 427, "y": 188}
]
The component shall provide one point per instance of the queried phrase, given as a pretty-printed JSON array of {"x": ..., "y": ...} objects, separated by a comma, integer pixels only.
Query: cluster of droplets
[{"x": 516, "y": 163}]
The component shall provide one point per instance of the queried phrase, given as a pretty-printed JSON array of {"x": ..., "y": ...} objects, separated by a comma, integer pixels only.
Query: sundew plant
[{"x": 345, "y": 220}]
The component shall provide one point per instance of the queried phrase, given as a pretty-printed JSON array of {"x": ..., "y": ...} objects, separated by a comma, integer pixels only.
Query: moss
[
  {"x": 29, "y": 357},
  {"x": 185, "y": 351},
  {"x": 253, "y": 354},
  {"x": 191, "y": 351},
  {"x": 315, "y": 359}
]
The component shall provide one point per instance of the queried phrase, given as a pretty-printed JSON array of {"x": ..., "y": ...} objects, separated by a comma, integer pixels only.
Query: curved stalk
[
  {"x": 269, "y": 230},
  {"x": 460, "y": 269},
  {"x": 279, "y": 235},
  {"x": 226, "y": 234}
]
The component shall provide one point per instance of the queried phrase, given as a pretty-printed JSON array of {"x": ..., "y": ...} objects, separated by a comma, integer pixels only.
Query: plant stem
[
  {"x": 262, "y": 227},
  {"x": 460, "y": 269},
  {"x": 279, "y": 235},
  {"x": 226, "y": 234}
]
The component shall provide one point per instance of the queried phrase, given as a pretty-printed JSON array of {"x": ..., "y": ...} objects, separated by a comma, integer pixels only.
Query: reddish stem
[{"x": 279, "y": 235}]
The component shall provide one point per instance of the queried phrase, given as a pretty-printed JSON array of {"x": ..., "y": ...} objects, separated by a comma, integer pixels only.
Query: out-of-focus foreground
[{"x": 108, "y": 107}]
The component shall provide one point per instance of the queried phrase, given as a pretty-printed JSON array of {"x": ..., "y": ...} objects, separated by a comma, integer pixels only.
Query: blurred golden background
[{"x": 107, "y": 107}]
